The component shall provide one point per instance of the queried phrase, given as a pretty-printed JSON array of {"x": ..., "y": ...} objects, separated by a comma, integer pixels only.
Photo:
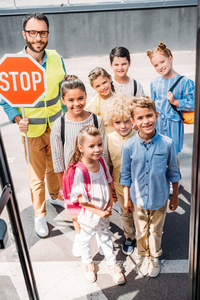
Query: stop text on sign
[{"x": 23, "y": 80}]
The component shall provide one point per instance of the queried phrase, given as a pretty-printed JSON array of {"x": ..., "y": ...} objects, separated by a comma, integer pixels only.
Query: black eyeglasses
[{"x": 34, "y": 33}]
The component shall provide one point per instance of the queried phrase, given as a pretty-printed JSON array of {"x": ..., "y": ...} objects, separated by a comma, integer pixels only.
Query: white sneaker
[
  {"x": 58, "y": 202},
  {"x": 116, "y": 273},
  {"x": 41, "y": 227},
  {"x": 143, "y": 266},
  {"x": 89, "y": 272},
  {"x": 154, "y": 267},
  {"x": 76, "y": 249}
]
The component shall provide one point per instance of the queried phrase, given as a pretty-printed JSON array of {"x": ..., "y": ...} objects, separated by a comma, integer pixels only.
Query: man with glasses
[{"x": 39, "y": 119}]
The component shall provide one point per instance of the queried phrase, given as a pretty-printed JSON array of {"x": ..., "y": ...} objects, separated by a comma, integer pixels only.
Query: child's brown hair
[
  {"x": 98, "y": 71},
  {"x": 143, "y": 102},
  {"x": 71, "y": 82}
]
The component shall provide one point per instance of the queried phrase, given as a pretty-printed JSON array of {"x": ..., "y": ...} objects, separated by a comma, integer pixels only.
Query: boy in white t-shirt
[{"x": 120, "y": 62}]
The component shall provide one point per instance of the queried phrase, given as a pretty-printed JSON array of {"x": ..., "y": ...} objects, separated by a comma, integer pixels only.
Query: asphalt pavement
[{"x": 58, "y": 274}]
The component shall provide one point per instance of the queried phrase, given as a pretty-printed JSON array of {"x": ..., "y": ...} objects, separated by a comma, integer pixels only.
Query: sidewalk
[{"x": 58, "y": 274}]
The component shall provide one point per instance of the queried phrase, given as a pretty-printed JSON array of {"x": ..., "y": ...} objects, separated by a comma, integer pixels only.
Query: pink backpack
[{"x": 68, "y": 178}]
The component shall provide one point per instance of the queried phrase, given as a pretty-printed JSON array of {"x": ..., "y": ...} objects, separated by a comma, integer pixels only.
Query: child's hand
[
  {"x": 109, "y": 207},
  {"x": 174, "y": 202},
  {"x": 172, "y": 100},
  {"x": 129, "y": 207},
  {"x": 106, "y": 213},
  {"x": 170, "y": 97}
]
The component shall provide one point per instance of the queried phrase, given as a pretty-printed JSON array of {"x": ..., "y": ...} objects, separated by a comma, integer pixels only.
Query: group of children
[{"x": 123, "y": 137}]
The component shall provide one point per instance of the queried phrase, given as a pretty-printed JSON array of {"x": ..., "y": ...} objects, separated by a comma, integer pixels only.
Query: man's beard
[{"x": 29, "y": 45}]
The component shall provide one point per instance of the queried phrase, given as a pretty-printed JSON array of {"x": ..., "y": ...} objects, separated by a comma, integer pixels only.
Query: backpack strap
[
  {"x": 86, "y": 177},
  {"x": 170, "y": 90},
  {"x": 95, "y": 120},
  {"x": 175, "y": 84},
  {"x": 135, "y": 87},
  {"x": 62, "y": 132},
  {"x": 104, "y": 166}
]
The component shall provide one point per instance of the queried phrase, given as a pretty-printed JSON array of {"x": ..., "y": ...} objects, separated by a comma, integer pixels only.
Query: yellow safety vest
[{"x": 48, "y": 109}]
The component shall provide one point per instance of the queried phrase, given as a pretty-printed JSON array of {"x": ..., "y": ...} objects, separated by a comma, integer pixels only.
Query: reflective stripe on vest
[
  {"x": 49, "y": 103},
  {"x": 48, "y": 109},
  {"x": 36, "y": 121}
]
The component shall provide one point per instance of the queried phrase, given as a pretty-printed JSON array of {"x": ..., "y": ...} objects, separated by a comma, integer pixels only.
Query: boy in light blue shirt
[{"x": 148, "y": 166}]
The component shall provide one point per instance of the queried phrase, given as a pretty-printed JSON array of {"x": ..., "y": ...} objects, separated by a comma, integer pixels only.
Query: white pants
[{"x": 102, "y": 230}]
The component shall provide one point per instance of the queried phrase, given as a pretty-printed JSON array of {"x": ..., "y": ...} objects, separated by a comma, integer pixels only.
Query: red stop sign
[{"x": 22, "y": 80}]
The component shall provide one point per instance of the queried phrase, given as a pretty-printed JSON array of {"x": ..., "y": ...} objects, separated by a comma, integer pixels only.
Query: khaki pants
[
  {"x": 39, "y": 166},
  {"x": 127, "y": 219},
  {"x": 149, "y": 228}
]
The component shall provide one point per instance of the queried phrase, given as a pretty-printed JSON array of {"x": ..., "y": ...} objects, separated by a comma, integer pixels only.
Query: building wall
[{"x": 96, "y": 33}]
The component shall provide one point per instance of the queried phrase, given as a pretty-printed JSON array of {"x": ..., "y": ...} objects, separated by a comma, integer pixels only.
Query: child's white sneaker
[
  {"x": 116, "y": 274},
  {"x": 154, "y": 267},
  {"x": 143, "y": 266},
  {"x": 89, "y": 272}
]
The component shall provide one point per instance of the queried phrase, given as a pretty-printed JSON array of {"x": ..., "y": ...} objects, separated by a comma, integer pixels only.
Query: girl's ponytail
[{"x": 76, "y": 156}]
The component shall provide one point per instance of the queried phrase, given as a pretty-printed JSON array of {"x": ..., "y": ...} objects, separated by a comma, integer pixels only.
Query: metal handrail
[{"x": 9, "y": 200}]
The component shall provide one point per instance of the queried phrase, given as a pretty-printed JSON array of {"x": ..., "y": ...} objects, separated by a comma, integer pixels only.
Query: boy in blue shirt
[{"x": 148, "y": 166}]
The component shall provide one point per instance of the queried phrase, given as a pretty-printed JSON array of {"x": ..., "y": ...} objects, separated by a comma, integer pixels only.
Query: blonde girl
[
  {"x": 73, "y": 95},
  {"x": 95, "y": 212},
  {"x": 101, "y": 82},
  {"x": 169, "y": 122}
]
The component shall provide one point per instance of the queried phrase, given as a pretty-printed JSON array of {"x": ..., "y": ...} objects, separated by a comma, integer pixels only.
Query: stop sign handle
[{"x": 26, "y": 138}]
